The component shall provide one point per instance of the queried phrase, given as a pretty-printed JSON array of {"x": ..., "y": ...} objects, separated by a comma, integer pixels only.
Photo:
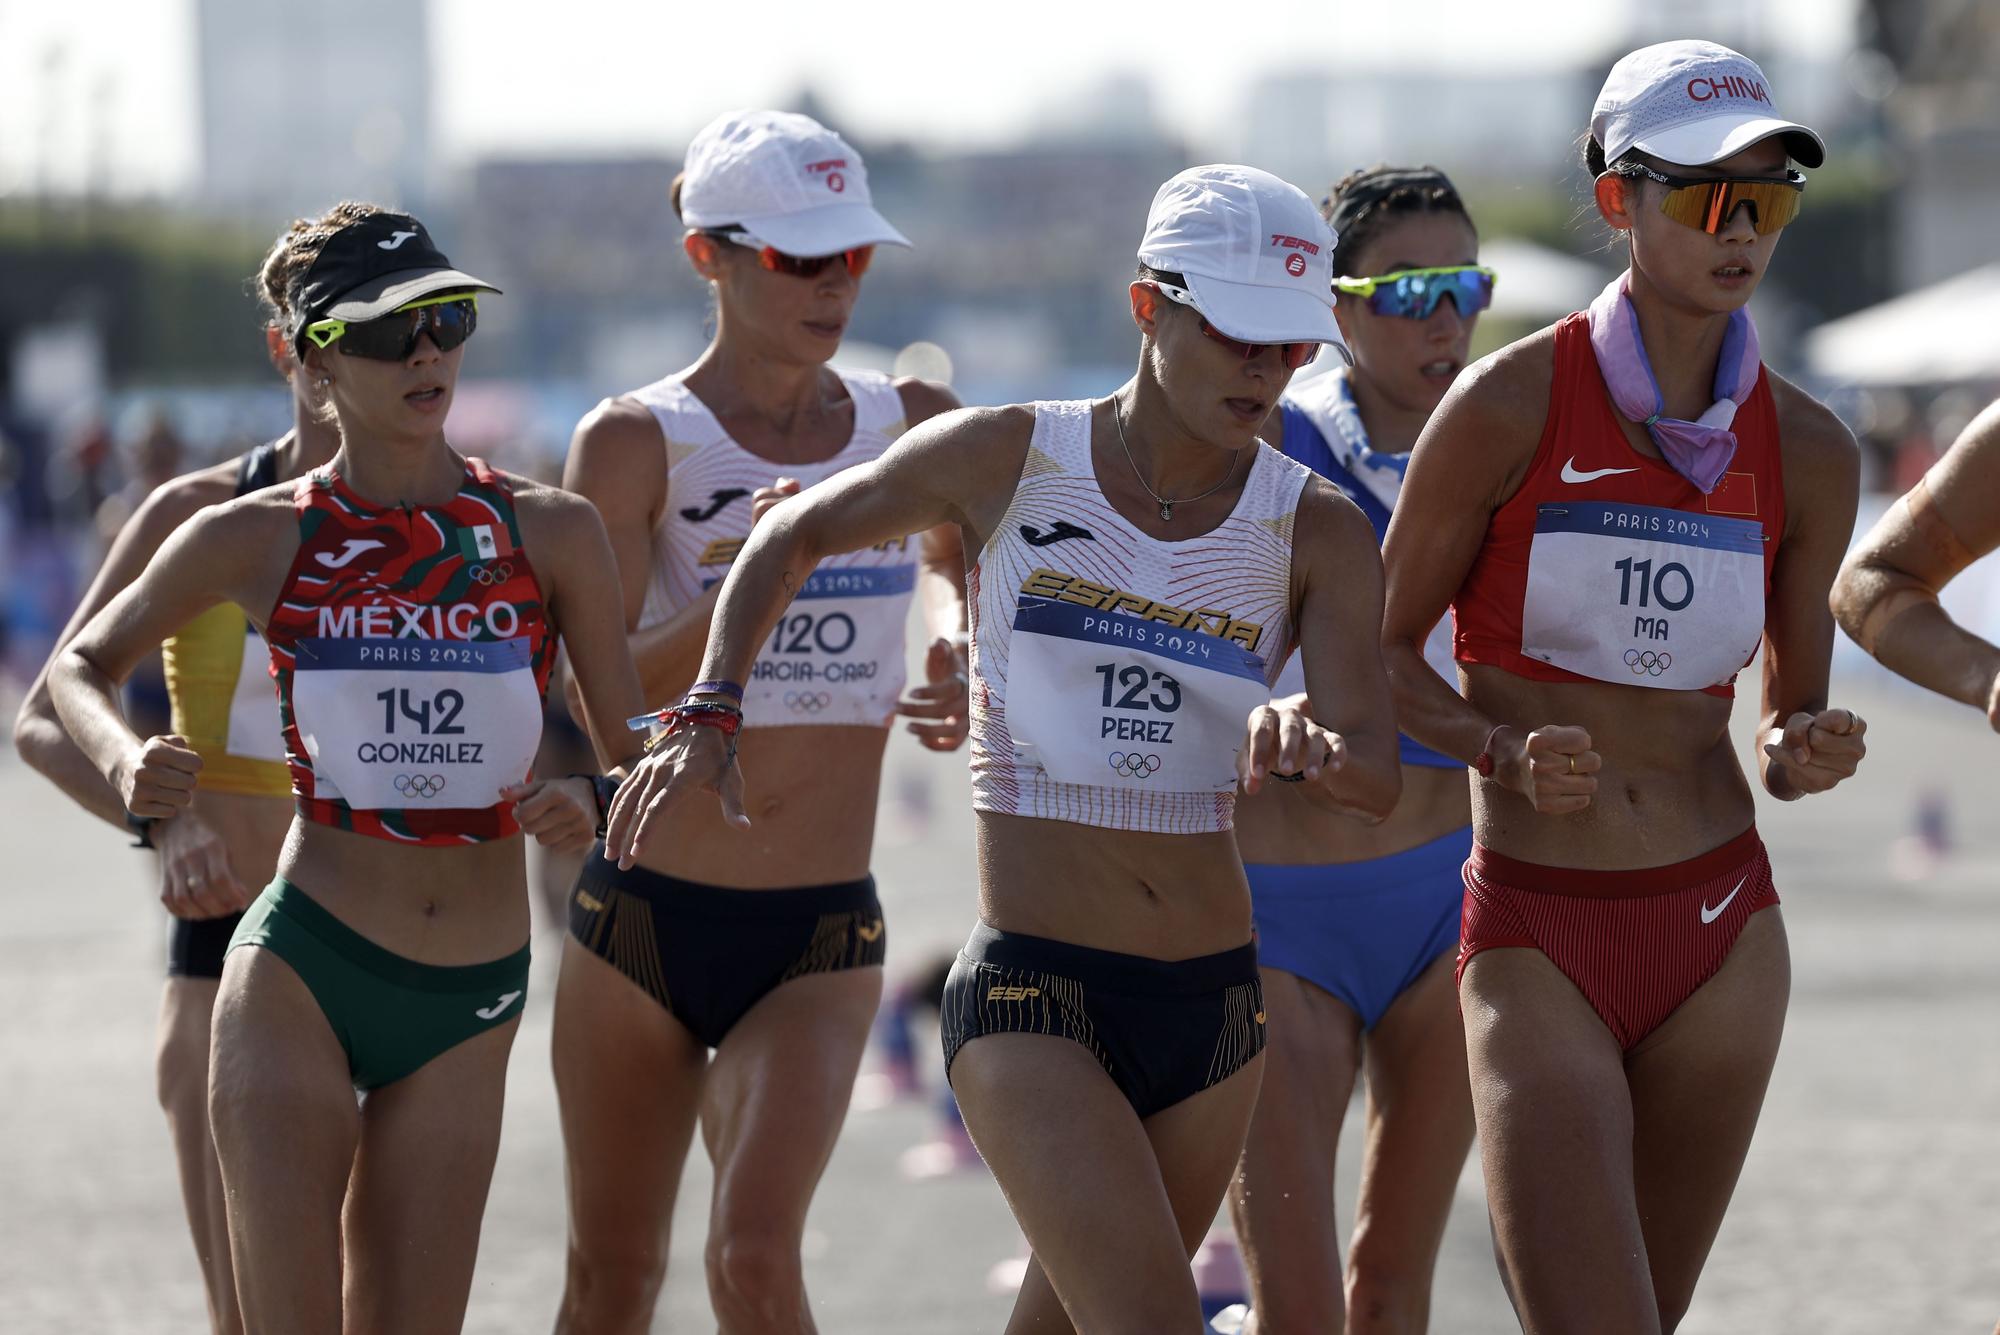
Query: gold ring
[{"x": 1572, "y": 764}]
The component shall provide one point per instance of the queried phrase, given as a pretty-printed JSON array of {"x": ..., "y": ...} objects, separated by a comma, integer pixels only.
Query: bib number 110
[
  {"x": 1672, "y": 588},
  {"x": 1135, "y": 680}
]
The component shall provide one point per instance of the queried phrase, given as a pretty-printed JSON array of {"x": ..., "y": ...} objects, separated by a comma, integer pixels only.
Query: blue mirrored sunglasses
[{"x": 1414, "y": 293}]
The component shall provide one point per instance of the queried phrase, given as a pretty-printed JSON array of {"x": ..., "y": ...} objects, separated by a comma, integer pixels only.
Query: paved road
[{"x": 1871, "y": 1203}]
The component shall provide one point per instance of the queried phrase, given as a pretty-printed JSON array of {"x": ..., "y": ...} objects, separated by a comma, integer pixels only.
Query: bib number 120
[
  {"x": 1135, "y": 680},
  {"x": 1673, "y": 596}
]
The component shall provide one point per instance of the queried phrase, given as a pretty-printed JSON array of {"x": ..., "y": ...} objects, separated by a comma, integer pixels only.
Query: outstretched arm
[
  {"x": 958, "y": 469},
  {"x": 1887, "y": 595}
]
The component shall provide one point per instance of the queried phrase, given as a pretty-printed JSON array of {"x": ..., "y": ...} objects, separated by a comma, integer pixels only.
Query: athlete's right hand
[
  {"x": 692, "y": 759},
  {"x": 157, "y": 777},
  {"x": 762, "y": 499},
  {"x": 196, "y": 880},
  {"x": 1554, "y": 768}
]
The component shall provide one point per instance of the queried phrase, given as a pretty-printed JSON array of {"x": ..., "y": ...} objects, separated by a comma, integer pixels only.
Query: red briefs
[{"x": 1636, "y": 943}]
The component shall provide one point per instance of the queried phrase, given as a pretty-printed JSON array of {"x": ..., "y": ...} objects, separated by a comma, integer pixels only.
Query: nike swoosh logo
[
  {"x": 349, "y": 550},
  {"x": 493, "y": 1012},
  {"x": 1709, "y": 915},
  {"x": 395, "y": 239},
  {"x": 1058, "y": 531},
  {"x": 1570, "y": 474},
  {"x": 716, "y": 501},
  {"x": 871, "y": 933}
]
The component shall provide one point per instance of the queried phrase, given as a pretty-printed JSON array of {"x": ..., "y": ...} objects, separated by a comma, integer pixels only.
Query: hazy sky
[{"x": 107, "y": 85}]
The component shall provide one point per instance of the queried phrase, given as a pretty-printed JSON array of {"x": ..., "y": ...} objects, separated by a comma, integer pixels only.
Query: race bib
[
  {"x": 1114, "y": 701},
  {"x": 1642, "y": 595},
  {"x": 837, "y": 653},
  {"x": 256, "y": 731},
  {"x": 412, "y": 723}
]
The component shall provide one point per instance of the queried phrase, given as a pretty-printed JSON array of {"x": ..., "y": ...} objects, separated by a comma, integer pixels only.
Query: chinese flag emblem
[{"x": 1735, "y": 494}]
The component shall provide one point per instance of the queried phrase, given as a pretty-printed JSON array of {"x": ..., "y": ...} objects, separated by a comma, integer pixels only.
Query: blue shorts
[{"x": 1362, "y": 930}]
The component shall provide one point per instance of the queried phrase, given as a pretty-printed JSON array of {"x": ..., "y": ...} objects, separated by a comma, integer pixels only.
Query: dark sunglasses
[
  {"x": 1414, "y": 293},
  {"x": 798, "y": 266},
  {"x": 1294, "y": 355},
  {"x": 449, "y": 321},
  {"x": 1709, "y": 202}
]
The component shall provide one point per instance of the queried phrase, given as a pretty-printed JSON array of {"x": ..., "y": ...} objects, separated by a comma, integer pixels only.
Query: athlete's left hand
[
  {"x": 941, "y": 708},
  {"x": 1813, "y": 752},
  {"x": 689, "y": 760},
  {"x": 560, "y": 813},
  {"x": 1283, "y": 741}
]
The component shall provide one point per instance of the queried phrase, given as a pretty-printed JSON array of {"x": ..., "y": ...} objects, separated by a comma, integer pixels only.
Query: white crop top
[
  {"x": 837, "y": 654},
  {"x": 1113, "y": 673}
]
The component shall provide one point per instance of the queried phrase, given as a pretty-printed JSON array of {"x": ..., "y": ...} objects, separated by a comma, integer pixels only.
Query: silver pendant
[{"x": 1166, "y": 510}]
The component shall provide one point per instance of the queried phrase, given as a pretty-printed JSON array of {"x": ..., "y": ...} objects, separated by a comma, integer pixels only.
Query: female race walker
[
  {"x": 1144, "y": 566},
  {"x": 1887, "y": 595},
  {"x": 768, "y": 947},
  {"x": 1619, "y": 510},
  {"x": 223, "y": 708},
  {"x": 1356, "y": 925},
  {"x": 412, "y": 600}
]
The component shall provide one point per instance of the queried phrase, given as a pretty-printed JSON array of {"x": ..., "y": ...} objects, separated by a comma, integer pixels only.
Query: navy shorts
[
  {"x": 1162, "y": 1029},
  {"x": 708, "y": 953},
  {"x": 1362, "y": 931}
]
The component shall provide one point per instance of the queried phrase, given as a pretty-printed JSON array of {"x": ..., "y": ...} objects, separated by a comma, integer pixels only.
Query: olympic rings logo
[
  {"x": 419, "y": 785},
  {"x": 1132, "y": 765},
  {"x": 1647, "y": 662},
  {"x": 491, "y": 575},
  {"x": 807, "y": 702}
]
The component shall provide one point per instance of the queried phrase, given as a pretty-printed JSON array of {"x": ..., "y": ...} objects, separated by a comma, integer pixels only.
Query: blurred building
[{"x": 270, "y": 148}]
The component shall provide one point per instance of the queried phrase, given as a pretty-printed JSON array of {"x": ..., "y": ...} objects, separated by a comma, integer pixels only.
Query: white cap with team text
[
  {"x": 1693, "y": 103},
  {"x": 785, "y": 179},
  {"x": 1257, "y": 256}
]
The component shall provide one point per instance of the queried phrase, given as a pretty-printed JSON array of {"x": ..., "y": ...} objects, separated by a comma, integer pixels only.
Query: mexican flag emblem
[{"x": 483, "y": 542}]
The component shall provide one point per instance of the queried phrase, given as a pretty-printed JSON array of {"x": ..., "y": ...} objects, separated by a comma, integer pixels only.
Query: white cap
[
  {"x": 1693, "y": 103},
  {"x": 1257, "y": 256},
  {"x": 785, "y": 179}
]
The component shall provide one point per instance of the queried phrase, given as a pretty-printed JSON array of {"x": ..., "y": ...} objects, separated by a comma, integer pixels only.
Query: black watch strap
[{"x": 141, "y": 828}]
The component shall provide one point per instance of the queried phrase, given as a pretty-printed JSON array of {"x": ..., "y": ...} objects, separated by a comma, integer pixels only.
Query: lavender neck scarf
[{"x": 1700, "y": 450}]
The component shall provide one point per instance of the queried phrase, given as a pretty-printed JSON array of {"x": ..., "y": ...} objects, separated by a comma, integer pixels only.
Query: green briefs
[{"x": 390, "y": 1014}]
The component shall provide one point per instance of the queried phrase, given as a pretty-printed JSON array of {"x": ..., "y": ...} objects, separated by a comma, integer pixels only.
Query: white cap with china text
[
  {"x": 1257, "y": 256},
  {"x": 785, "y": 179},
  {"x": 1693, "y": 103}
]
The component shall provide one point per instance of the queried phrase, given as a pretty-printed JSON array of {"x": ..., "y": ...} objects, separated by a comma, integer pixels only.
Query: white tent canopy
[
  {"x": 1537, "y": 283},
  {"x": 1941, "y": 334}
]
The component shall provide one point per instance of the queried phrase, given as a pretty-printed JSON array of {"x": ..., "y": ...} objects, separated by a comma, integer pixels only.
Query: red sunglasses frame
[{"x": 798, "y": 266}]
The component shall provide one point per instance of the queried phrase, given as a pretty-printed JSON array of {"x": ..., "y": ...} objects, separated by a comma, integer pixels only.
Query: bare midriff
[
  {"x": 434, "y": 905},
  {"x": 1670, "y": 788},
  {"x": 1162, "y": 896}
]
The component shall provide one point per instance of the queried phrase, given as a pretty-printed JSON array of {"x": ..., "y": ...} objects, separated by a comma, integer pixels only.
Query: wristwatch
[{"x": 141, "y": 828}]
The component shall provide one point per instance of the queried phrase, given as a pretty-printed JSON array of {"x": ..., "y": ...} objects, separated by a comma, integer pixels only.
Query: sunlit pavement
[{"x": 1871, "y": 1202}]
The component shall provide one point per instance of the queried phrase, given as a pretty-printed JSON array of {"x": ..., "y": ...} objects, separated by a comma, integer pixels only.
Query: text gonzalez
[{"x": 383, "y": 621}]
